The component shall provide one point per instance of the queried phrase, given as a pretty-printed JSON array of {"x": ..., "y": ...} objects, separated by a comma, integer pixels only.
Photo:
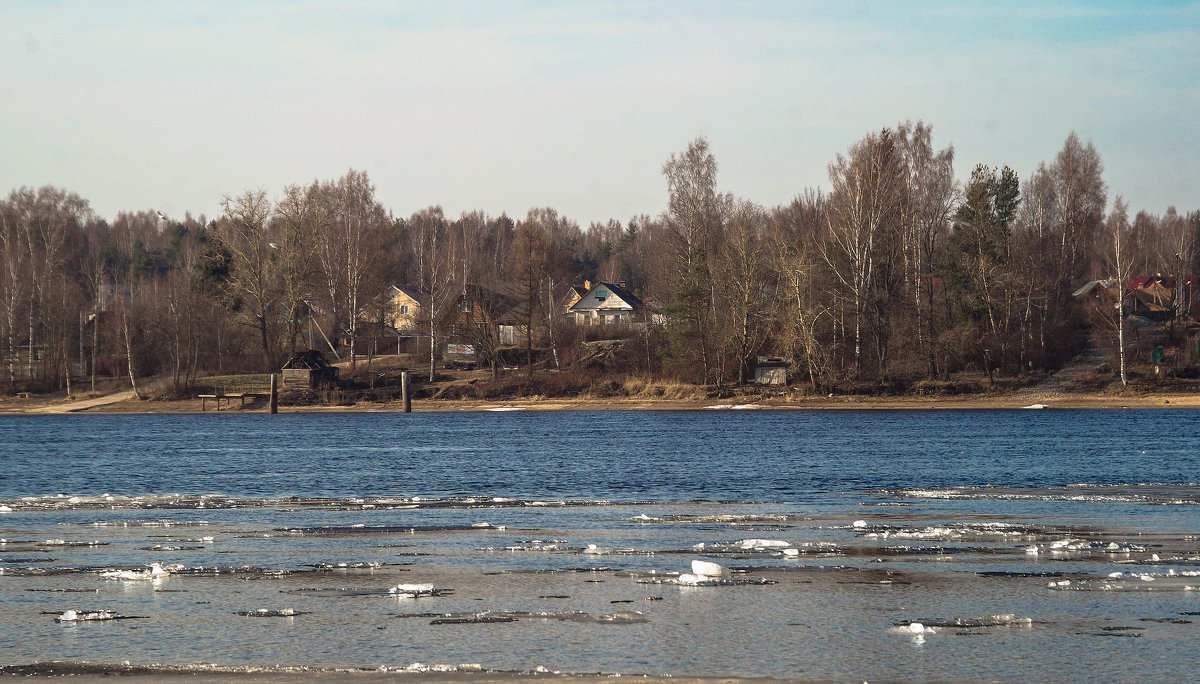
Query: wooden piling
[
  {"x": 405, "y": 394},
  {"x": 273, "y": 402}
]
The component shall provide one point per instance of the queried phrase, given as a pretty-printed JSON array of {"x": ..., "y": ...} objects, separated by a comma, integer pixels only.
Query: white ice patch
[
  {"x": 762, "y": 544},
  {"x": 412, "y": 590},
  {"x": 708, "y": 569}
]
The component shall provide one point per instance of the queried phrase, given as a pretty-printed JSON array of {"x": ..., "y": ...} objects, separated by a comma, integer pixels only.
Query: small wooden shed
[
  {"x": 309, "y": 369},
  {"x": 770, "y": 370}
]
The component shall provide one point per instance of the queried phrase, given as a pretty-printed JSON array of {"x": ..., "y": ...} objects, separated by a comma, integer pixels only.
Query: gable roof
[
  {"x": 609, "y": 292},
  {"x": 410, "y": 292}
]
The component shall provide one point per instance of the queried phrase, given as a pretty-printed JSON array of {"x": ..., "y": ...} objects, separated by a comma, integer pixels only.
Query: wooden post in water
[
  {"x": 273, "y": 402},
  {"x": 405, "y": 395}
]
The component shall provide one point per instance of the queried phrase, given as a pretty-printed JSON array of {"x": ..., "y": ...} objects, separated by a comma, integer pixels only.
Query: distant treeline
[{"x": 897, "y": 272}]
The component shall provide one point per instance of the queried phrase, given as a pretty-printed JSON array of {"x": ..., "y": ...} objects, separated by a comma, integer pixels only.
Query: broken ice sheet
[
  {"x": 620, "y": 617},
  {"x": 1170, "y": 581}
]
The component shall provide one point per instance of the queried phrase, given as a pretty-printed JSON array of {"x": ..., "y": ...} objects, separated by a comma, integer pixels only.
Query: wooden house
[
  {"x": 605, "y": 303},
  {"x": 406, "y": 307},
  {"x": 309, "y": 369}
]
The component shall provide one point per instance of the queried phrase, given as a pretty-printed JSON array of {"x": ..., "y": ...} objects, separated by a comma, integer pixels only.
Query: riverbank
[{"x": 126, "y": 403}]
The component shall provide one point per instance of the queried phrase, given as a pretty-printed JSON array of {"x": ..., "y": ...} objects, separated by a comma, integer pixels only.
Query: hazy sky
[{"x": 503, "y": 106}]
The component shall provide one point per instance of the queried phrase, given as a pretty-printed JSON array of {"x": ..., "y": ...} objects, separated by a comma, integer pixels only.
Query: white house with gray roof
[{"x": 605, "y": 303}]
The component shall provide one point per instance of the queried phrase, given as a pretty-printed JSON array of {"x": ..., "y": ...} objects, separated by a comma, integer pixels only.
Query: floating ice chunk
[
  {"x": 708, "y": 569},
  {"x": 759, "y": 544},
  {"x": 1154, "y": 557},
  {"x": 79, "y": 615},
  {"x": 267, "y": 612},
  {"x": 624, "y": 617},
  {"x": 859, "y": 523},
  {"x": 1032, "y": 550},
  {"x": 413, "y": 590},
  {"x": 791, "y": 552},
  {"x": 692, "y": 580},
  {"x": 1037, "y": 406},
  {"x": 155, "y": 571},
  {"x": 481, "y": 525},
  {"x": 916, "y": 630},
  {"x": 5, "y": 509}
]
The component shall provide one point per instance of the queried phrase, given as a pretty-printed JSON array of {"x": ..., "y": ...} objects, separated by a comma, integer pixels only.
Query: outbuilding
[{"x": 308, "y": 368}]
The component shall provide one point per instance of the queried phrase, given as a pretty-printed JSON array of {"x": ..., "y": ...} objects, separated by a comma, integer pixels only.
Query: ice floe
[
  {"x": 708, "y": 569},
  {"x": 412, "y": 591},
  {"x": 267, "y": 612},
  {"x": 87, "y": 615},
  {"x": 155, "y": 571}
]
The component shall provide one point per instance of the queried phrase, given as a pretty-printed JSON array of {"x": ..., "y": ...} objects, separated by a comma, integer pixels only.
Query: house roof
[
  {"x": 1103, "y": 284},
  {"x": 409, "y": 290},
  {"x": 614, "y": 289},
  {"x": 307, "y": 359}
]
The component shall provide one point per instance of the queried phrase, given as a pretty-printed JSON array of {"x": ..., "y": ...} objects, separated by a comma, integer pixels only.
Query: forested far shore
[{"x": 896, "y": 274}]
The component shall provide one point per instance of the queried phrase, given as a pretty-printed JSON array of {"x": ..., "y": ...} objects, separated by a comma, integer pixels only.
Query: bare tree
[
  {"x": 1118, "y": 227},
  {"x": 252, "y": 290},
  {"x": 797, "y": 240},
  {"x": 747, "y": 289},
  {"x": 528, "y": 267},
  {"x": 694, "y": 218},
  {"x": 352, "y": 249},
  {"x": 931, "y": 194},
  {"x": 298, "y": 219},
  {"x": 863, "y": 217},
  {"x": 438, "y": 278}
]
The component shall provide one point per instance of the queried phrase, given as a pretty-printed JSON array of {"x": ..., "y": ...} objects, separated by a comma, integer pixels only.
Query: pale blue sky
[{"x": 503, "y": 106}]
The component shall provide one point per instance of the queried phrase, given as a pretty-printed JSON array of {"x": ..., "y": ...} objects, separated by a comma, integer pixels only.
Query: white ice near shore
[
  {"x": 1037, "y": 406},
  {"x": 5, "y": 509}
]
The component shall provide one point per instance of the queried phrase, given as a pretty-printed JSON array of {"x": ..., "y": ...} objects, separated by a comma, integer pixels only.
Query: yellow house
[{"x": 406, "y": 308}]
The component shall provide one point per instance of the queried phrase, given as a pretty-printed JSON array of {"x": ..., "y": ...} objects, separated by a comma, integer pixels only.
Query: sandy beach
[{"x": 125, "y": 403}]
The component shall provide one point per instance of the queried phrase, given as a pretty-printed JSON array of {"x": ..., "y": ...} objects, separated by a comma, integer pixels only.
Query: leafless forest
[{"x": 898, "y": 274}]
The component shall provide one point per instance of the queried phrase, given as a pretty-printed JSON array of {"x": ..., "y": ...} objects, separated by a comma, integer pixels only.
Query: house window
[
  {"x": 600, "y": 299},
  {"x": 466, "y": 306},
  {"x": 403, "y": 309}
]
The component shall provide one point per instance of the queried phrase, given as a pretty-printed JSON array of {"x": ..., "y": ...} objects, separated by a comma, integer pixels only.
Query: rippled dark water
[
  {"x": 1035, "y": 545},
  {"x": 654, "y": 456}
]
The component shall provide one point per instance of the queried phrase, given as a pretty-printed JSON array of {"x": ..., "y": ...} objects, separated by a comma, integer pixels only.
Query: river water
[{"x": 985, "y": 545}]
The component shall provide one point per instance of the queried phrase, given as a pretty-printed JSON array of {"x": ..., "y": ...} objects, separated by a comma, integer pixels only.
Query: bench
[{"x": 241, "y": 396}]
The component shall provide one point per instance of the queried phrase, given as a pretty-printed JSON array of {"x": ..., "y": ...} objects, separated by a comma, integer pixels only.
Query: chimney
[
  {"x": 622, "y": 284},
  {"x": 587, "y": 285}
]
